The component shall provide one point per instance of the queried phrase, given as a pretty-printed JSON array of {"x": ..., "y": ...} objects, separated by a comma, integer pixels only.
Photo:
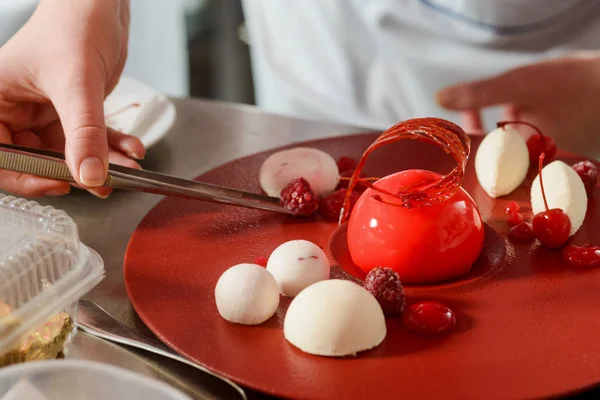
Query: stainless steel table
[{"x": 205, "y": 135}]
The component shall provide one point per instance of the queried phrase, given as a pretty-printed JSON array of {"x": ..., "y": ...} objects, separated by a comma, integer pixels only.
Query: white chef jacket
[
  {"x": 373, "y": 63},
  {"x": 365, "y": 62}
]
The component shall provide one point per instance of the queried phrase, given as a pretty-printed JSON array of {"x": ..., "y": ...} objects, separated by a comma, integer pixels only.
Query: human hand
[
  {"x": 54, "y": 76},
  {"x": 561, "y": 97}
]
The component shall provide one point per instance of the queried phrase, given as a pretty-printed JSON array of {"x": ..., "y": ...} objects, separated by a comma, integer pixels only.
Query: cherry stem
[
  {"x": 502, "y": 124},
  {"x": 122, "y": 110},
  {"x": 541, "y": 166}
]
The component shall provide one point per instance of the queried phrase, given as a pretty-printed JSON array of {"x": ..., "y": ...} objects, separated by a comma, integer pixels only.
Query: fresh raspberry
[
  {"x": 346, "y": 164},
  {"x": 261, "y": 260},
  {"x": 588, "y": 172},
  {"x": 330, "y": 206},
  {"x": 515, "y": 218},
  {"x": 384, "y": 284},
  {"x": 298, "y": 197}
]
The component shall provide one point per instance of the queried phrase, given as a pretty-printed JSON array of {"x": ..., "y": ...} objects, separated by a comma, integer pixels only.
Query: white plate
[{"x": 150, "y": 121}]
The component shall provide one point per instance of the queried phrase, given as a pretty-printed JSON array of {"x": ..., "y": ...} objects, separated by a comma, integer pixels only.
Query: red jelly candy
[
  {"x": 582, "y": 256},
  {"x": 429, "y": 318}
]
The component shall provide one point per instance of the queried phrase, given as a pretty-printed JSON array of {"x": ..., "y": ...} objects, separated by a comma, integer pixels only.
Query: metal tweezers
[{"x": 51, "y": 164}]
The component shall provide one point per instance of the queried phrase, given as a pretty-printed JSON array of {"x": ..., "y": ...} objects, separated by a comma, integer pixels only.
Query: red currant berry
[
  {"x": 512, "y": 207},
  {"x": 429, "y": 317},
  {"x": 515, "y": 218},
  {"x": 261, "y": 260}
]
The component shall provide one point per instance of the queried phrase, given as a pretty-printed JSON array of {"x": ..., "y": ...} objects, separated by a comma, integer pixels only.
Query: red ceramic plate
[{"x": 528, "y": 324}]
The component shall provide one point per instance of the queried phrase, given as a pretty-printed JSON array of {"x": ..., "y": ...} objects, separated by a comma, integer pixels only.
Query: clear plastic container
[
  {"x": 75, "y": 380},
  {"x": 44, "y": 271}
]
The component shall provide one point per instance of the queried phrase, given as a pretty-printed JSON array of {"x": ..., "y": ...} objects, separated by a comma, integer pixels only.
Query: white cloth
[
  {"x": 158, "y": 54},
  {"x": 373, "y": 63}
]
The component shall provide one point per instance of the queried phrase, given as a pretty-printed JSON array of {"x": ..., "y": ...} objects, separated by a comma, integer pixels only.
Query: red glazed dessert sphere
[{"x": 424, "y": 245}]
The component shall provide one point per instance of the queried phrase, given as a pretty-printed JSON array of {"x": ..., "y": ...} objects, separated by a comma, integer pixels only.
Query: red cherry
[
  {"x": 522, "y": 232},
  {"x": 582, "y": 256},
  {"x": 536, "y": 144},
  {"x": 346, "y": 164},
  {"x": 261, "y": 260},
  {"x": 551, "y": 227},
  {"x": 512, "y": 207},
  {"x": 429, "y": 317},
  {"x": 515, "y": 218},
  {"x": 422, "y": 244}
]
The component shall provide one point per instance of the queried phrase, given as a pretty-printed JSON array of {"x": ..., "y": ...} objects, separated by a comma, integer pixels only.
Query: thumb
[
  {"x": 508, "y": 88},
  {"x": 80, "y": 107}
]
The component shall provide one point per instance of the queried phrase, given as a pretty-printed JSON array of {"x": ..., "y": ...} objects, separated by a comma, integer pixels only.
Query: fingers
[
  {"x": 27, "y": 185},
  {"x": 80, "y": 106},
  {"x": 127, "y": 144},
  {"x": 510, "y": 87},
  {"x": 28, "y": 139},
  {"x": 511, "y": 113},
  {"x": 471, "y": 122},
  {"x": 115, "y": 157},
  {"x": 53, "y": 138}
]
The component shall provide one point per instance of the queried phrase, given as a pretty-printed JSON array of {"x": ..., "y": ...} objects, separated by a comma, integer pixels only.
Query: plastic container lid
[
  {"x": 44, "y": 268},
  {"x": 75, "y": 380}
]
